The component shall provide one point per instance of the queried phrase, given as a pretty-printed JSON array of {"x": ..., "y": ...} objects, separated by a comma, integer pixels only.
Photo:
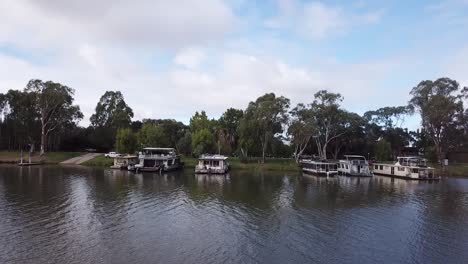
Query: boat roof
[
  {"x": 158, "y": 148},
  {"x": 354, "y": 156},
  {"x": 212, "y": 157},
  {"x": 126, "y": 157},
  {"x": 411, "y": 157},
  {"x": 319, "y": 162}
]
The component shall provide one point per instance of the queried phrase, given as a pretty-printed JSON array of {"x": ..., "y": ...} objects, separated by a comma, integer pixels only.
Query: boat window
[
  {"x": 414, "y": 170},
  {"x": 376, "y": 167},
  {"x": 215, "y": 162},
  {"x": 381, "y": 167},
  {"x": 169, "y": 163},
  {"x": 401, "y": 169}
]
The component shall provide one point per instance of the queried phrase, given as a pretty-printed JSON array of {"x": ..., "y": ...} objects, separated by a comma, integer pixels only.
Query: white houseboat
[
  {"x": 212, "y": 164},
  {"x": 354, "y": 165},
  {"x": 407, "y": 167},
  {"x": 158, "y": 159},
  {"x": 124, "y": 162},
  {"x": 319, "y": 168}
]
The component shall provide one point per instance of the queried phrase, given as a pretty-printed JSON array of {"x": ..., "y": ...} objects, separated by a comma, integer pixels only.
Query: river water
[{"x": 56, "y": 214}]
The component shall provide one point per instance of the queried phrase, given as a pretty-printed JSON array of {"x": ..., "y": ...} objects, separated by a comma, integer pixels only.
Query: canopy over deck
[{"x": 212, "y": 157}]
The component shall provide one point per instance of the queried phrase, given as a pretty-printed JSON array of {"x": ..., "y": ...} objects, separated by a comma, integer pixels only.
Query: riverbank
[
  {"x": 190, "y": 162},
  {"x": 48, "y": 158}
]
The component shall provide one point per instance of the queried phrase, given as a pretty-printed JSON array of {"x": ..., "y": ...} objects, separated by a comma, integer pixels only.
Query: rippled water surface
[{"x": 82, "y": 215}]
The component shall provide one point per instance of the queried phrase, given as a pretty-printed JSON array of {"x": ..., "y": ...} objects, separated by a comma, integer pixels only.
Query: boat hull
[
  {"x": 320, "y": 173},
  {"x": 211, "y": 171},
  {"x": 407, "y": 177}
]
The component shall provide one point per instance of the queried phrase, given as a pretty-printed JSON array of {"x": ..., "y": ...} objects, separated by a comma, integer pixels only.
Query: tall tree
[
  {"x": 229, "y": 123},
  {"x": 54, "y": 103},
  {"x": 301, "y": 129},
  {"x": 202, "y": 130},
  {"x": 266, "y": 116},
  {"x": 442, "y": 112},
  {"x": 327, "y": 116},
  {"x": 390, "y": 121},
  {"x": 126, "y": 141},
  {"x": 112, "y": 111}
]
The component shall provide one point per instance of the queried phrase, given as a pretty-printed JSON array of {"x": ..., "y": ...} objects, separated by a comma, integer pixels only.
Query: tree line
[{"x": 43, "y": 116}]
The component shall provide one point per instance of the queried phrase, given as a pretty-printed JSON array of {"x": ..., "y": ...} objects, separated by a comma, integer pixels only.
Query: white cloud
[
  {"x": 317, "y": 20},
  {"x": 190, "y": 58},
  {"x": 140, "y": 23}
]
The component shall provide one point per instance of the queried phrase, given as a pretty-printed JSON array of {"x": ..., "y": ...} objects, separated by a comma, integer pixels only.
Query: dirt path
[{"x": 80, "y": 159}]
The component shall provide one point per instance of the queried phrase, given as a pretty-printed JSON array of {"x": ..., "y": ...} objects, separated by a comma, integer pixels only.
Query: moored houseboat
[
  {"x": 354, "y": 165},
  {"x": 212, "y": 164},
  {"x": 124, "y": 162},
  {"x": 407, "y": 167},
  {"x": 158, "y": 159},
  {"x": 319, "y": 168}
]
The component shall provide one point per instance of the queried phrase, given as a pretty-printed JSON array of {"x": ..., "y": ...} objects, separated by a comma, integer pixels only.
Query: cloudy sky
[{"x": 173, "y": 57}]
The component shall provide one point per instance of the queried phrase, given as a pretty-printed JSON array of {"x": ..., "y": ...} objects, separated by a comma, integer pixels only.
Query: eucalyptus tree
[
  {"x": 390, "y": 121},
  {"x": 327, "y": 118},
  {"x": 351, "y": 126},
  {"x": 20, "y": 121},
  {"x": 54, "y": 104},
  {"x": 301, "y": 129},
  {"x": 112, "y": 111},
  {"x": 202, "y": 131},
  {"x": 443, "y": 118},
  {"x": 229, "y": 125},
  {"x": 264, "y": 120}
]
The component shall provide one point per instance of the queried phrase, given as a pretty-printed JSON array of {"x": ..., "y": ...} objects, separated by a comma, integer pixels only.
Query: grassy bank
[
  {"x": 48, "y": 158},
  {"x": 454, "y": 170},
  {"x": 99, "y": 161}
]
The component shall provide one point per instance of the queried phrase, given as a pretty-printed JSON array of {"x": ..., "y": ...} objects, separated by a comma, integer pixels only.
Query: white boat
[
  {"x": 354, "y": 165},
  {"x": 408, "y": 168},
  {"x": 158, "y": 159},
  {"x": 212, "y": 164},
  {"x": 319, "y": 168}
]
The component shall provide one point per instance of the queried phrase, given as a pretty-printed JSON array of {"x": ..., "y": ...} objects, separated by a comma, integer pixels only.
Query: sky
[{"x": 172, "y": 58}]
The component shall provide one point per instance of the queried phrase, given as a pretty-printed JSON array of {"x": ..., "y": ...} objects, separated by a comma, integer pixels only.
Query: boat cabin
[
  {"x": 158, "y": 159},
  {"x": 123, "y": 162},
  {"x": 407, "y": 167},
  {"x": 321, "y": 168},
  {"x": 354, "y": 165},
  {"x": 212, "y": 164}
]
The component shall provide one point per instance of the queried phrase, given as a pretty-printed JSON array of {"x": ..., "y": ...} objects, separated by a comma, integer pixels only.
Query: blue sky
[{"x": 171, "y": 58}]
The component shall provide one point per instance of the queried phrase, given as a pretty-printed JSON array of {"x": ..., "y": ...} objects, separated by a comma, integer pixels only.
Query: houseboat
[
  {"x": 212, "y": 164},
  {"x": 408, "y": 168},
  {"x": 319, "y": 168},
  {"x": 354, "y": 165},
  {"x": 124, "y": 162},
  {"x": 158, "y": 159}
]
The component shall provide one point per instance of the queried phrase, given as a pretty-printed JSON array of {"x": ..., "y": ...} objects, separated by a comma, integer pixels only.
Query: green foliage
[
  {"x": 383, "y": 150},
  {"x": 200, "y": 121},
  {"x": 172, "y": 129},
  {"x": 263, "y": 121},
  {"x": 112, "y": 111},
  {"x": 126, "y": 141},
  {"x": 152, "y": 135},
  {"x": 53, "y": 104},
  {"x": 202, "y": 142},
  {"x": 184, "y": 145},
  {"x": 440, "y": 104}
]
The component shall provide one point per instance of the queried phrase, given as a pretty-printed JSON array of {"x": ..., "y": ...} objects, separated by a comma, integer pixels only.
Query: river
[{"x": 54, "y": 214}]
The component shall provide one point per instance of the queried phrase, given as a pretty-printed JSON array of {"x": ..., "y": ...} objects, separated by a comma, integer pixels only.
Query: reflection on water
[{"x": 85, "y": 215}]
